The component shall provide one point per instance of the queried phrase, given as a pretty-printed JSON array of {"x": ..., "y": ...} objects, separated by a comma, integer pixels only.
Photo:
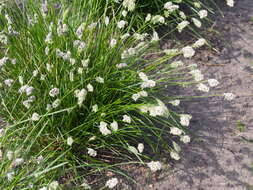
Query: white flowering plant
[{"x": 79, "y": 94}]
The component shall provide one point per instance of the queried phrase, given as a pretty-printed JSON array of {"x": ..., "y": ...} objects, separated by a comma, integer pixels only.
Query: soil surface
[{"x": 220, "y": 157}]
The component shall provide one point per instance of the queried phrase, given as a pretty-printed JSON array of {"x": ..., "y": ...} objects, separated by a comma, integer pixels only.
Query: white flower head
[
  {"x": 140, "y": 147},
  {"x": 185, "y": 139},
  {"x": 143, "y": 76},
  {"x": 81, "y": 95},
  {"x": 175, "y": 102},
  {"x": 100, "y": 80},
  {"x": 148, "y": 17},
  {"x": 196, "y": 22},
  {"x": 155, "y": 166},
  {"x": 202, "y": 87},
  {"x": 174, "y": 155},
  {"x": 124, "y": 13},
  {"x": 10, "y": 175},
  {"x": 111, "y": 183},
  {"x": 114, "y": 125},
  {"x": 148, "y": 84},
  {"x": 17, "y": 162},
  {"x": 43, "y": 188},
  {"x": 103, "y": 128},
  {"x": 230, "y": 3},
  {"x": 107, "y": 20},
  {"x": 10, "y": 154},
  {"x": 35, "y": 73},
  {"x": 170, "y": 6},
  {"x": 182, "y": 15},
  {"x": 35, "y": 117},
  {"x": 56, "y": 103},
  {"x": 113, "y": 43},
  {"x": 121, "y": 65},
  {"x": 188, "y": 52},
  {"x": 129, "y": 4},
  {"x": 54, "y": 92},
  {"x": 182, "y": 25},
  {"x": 85, "y": 63},
  {"x": 175, "y": 131},
  {"x": 202, "y": 14},
  {"x": 121, "y": 24},
  {"x": 213, "y": 82},
  {"x": 53, "y": 185},
  {"x": 126, "y": 119},
  {"x": 185, "y": 119},
  {"x": 177, "y": 64},
  {"x": 95, "y": 108},
  {"x": 92, "y": 152},
  {"x": 90, "y": 88},
  {"x": 8, "y": 82},
  {"x": 143, "y": 93},
  {"x": 199, "y": 43},
  {"x": 135, "y": 97},
  {"x": 229, "y": 96},
  {"x": 70, "y": 141},
  {"x": 155, "y": 37}
]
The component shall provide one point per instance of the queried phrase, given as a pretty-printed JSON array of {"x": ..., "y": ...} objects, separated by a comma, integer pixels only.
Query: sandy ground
[{"x": 219, "y": 158}]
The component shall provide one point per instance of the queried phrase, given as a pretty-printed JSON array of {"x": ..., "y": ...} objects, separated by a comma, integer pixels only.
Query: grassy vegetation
[{"x": 80, "y": 93}]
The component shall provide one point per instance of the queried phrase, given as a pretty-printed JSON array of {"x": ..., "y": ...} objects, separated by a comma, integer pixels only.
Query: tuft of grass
[
  {"x": 251, "y": 19},
  {"x": 80, "y": 91},
  {"x": 240, "y": 126}
]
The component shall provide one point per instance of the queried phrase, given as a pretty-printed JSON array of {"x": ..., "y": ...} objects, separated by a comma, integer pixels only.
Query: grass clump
[{"x": 79, "y": 93}]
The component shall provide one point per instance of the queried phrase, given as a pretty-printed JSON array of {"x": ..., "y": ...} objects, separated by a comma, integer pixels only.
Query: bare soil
[{"x": 220, "y": 157}]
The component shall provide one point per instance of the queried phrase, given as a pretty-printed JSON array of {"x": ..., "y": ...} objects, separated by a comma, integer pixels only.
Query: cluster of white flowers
[
  {"x": 229, "y": 96},
  {"x": 92, "y": 152},
  {"x": 202, "y": 87},
  {"x": 176, "y": 64},
  {"x": 202, "y": 14},
  {"x": 170, "y": 6},
  {"x": 35, "y": 117},
  {"x": 111, "y": 183},
  {"x": 70, "y": 141},
  {"x": 154, "y": 166},
  {"x": 114, "y": 125},
  {"x": 126, "y": 119},
  {"x": 62, "y": 28},
  {"x": 199, "y": 43},
  {"x": 175, "y": 102},
  {"x": 185, "y": 119},
  {"x": 196, "y": 22},
  {"x": 26, "y": 89},
  {"x": 8, "y": 82},
  {"x": 146, "y": 82},
  {"x": 188, "y": 51},
  {"x": 54, "y": 92},
  {"x": 79, "y": 31},
  {"x": 17, "y": 162},
  {"x": 65, "y": 56},
  {"x": 80, "y": 95},
  {"x": 182, "y": 25},
  {"x": 174, "y": 155},
  {"x": 27, "y": 103},
  {"x": 142, "y": 93},
  {"x": 103, "y": 128},
  {"x": 80, "y": 45},
  {"x": 121, "y": 65},
  {"x": 230, "y": 3},
  {"x": 159, "y": 109},
  {"x": 121, "y": 24}
]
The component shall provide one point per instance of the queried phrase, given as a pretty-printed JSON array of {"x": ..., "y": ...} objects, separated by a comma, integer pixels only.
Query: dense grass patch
[{"x": 79, "y": 92}]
